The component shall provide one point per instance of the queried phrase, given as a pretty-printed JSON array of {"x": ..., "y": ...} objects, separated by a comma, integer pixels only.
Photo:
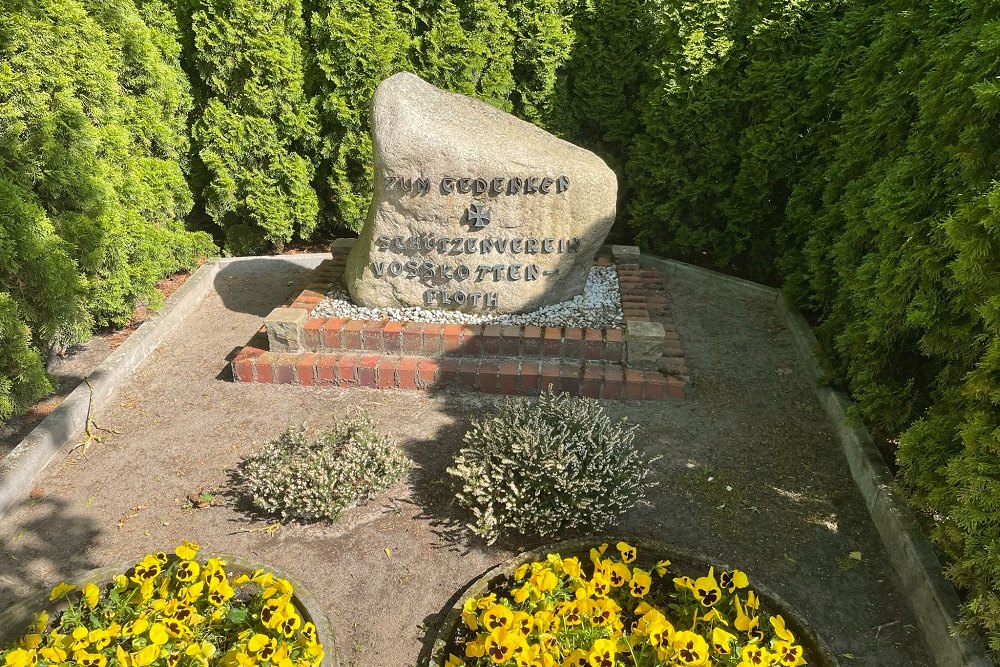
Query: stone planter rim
[
  {"x": 817, "y": 647},
  {"x": 15, "y": 619}
]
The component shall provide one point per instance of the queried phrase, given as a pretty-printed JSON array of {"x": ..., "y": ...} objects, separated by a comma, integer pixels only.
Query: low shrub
[
  {"x": 302, "y": 479},
  {"x": 170, "y": 609},
  {"x": 559, "y": 463}
]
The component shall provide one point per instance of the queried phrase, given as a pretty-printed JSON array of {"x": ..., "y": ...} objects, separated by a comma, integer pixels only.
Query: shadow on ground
[{"x": 35, "y": 556}]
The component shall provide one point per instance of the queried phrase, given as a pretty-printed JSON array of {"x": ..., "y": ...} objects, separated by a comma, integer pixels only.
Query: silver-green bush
[
  {"x": 558, "y": 463},
  {"x": 298, "y": 479}
]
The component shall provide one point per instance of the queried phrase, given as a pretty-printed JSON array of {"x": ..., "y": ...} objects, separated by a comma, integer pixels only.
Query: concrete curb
[
  {"x": 58, "y": 431},
  {"x": 671, "y": 267},
  {"x": 931, "y": 598}
]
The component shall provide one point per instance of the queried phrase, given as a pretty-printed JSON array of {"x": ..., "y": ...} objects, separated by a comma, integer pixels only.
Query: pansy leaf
[{"x": 237, "y": 615}]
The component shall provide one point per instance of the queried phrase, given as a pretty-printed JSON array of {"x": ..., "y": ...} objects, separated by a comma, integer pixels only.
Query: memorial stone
[{"x": 474, "y": 209}]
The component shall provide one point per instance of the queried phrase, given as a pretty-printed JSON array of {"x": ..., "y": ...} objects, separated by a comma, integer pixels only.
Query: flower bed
[
  {"x": 570, "y": 606},
  {"x": 171, "y": 611}
]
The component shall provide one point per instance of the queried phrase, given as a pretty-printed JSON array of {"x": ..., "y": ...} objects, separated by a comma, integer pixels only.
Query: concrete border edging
[
  {"x": 931, "y": 598},
  {"x": 20, "y": 467},
  {"x": 672, "y": 267}
]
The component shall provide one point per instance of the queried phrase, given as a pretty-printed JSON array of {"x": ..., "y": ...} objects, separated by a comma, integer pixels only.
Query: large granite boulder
[{"x": 474, "y": 209}]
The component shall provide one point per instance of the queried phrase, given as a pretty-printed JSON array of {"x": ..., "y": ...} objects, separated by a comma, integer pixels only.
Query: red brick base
[{"x": 493, "y": 359}]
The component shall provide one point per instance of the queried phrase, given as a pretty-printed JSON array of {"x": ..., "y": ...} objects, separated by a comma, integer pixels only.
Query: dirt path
[{"x": 751, "y": 474}]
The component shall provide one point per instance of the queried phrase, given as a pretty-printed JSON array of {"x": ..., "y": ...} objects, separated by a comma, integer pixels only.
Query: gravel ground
[
  {"x": 750, "y": 473},
  {"x": 599, "y": 306}
]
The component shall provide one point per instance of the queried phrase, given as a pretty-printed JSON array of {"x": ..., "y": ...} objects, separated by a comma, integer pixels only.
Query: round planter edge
[
  {"x": 796, "y": 622},
  {"x": 16, "y": 618}
]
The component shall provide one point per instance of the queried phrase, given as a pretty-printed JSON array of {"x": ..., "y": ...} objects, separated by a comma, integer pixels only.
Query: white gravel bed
[{"x": 599, "y": 306}]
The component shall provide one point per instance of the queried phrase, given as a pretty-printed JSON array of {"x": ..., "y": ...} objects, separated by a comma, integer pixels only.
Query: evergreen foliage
[
  {"x": 846, "y": 148},
  {"x": 93, "y": 111},
  {"x": 256, "y": 127}
]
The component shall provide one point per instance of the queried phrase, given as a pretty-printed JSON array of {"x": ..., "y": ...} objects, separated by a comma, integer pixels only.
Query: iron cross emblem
[{"x": 479, "y": 215}]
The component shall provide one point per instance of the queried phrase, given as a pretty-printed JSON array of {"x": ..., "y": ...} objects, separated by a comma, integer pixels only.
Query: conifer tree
[
  {"x": 357, "y": 44},
  {"x": 92, "y": 194},
  {"x": 256, "y": 127}
]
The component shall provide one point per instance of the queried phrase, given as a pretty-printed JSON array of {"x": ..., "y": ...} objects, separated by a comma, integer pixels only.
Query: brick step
[
  {"x": 494, "y": 376},
  {"x": 335, "y": 335}
]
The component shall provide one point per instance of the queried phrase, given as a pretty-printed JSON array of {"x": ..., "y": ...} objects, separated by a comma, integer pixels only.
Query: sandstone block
[
  {"x": 644, "y": 344},
  {"x": 285, "y": 328}
]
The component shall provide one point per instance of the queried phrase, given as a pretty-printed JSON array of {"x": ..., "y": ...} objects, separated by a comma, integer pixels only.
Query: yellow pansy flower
[
  {"x": 788, "y": 654},
  {"x": 310, "y": 635},
  {"x": 53, "y": 654},
  {"x": 99, "y": 638},
  {"x": 500, "y": 645},
  {"x": 661, "y": 567},
  {"x": 619, "y": 574},
  {"x": 145, "y": 656},
  {"x": 577, "y": 658},
  {"x": 640, "y": 583},
  {"x": 604, "y": 611},
  {"x": 602, "y": 653},
  {"x": 754, "y": 655},
  {"x": 546, "y": 621},
  {"x": 80, "y": 639},
  {"x": 781, "y": 631},
  {"x": 90, "y": 659},
  {"x": 706, "y": 589},
  {"x": 187, "y": 570},
  {"x": 220, "y": 593},
  {"x": 158, "y": 634},
  {"x": 61, "y": 589},
  {"x": 544, "y": 580},
  {"x": 690, "y": 648},
  {"x": 270, "y": 613},
  {"x": 497, "y": 616},
  {"x": 522, "y": 593},
  {"x": 469, "y": 615},
  {"x": 523, "y": 623},
  {"x": 187, "y": 550},
  {"x": 136, "y": 627},
  {"x": 91, "y": 594},
  {"x": 290, "y": 624},
  {"x": 19, "y": 658},
  {"x": 570, "y": 613},
  {"x": 660, "y": 632},
  {"x": 627, "y": 551},
  {"x": 600, "y": 585},
  {"x": 30, "y": 641},
  {"x": 734, "y": 580},
  {"x": 573, "y": 568},
  {"x": 476, "y": 648},
  {"x": 722, "y": 641},
  {"x": 454, "y": 661},
  {"x": 595, "y": 554}
]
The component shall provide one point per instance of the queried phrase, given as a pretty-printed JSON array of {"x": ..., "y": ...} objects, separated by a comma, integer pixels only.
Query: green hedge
[
  {"x": 93, "y": 113},
  {"x": 849, "y": 150}
]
